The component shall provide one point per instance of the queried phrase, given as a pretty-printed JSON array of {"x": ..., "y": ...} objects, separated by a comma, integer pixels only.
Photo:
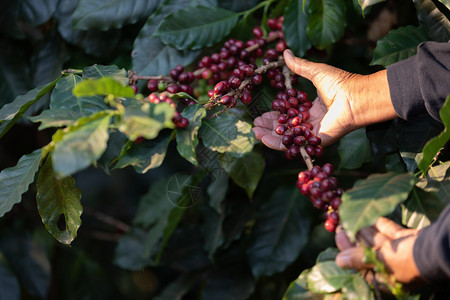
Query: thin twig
[
  {"x": 107, "y": 219},
  {"x": 306, "y": 158}
]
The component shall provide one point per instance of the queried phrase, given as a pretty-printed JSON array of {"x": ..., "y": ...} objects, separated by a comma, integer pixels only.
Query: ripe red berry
[
  {"x": 282, "y": 119},
  {"x": 314, "y": 140},
  {"x": 135, "y": 88},
  {"x": 221, "y": 87},
  {"x": 234, "y": 81},
  {"x": 272, "y": 24},
  {"x": 280, "y": 129},
  {"x": 304, "y": 176},
  {"x": 281, "y": 46},
  {"x": 272, "y": 54},
  {"x": 173, "y": 88},
  {"x": 299, "y": 140},
  {"x": 174, "y": 74},
  {"x": 152, "y": 85},
  {"x": 330, "y": 225},
  {"x": 291, "y": 92},
  {"x": 294, "y": 151},
  {"x": 246, "y": 97},
  {"x": 328, "y": 169},
  {"x": 176, "y": 117},
  {"x": 257, "y": 32},
  {"x": 183, "y": 123},
  {"x": 287, "y": 140},
  {"x": 318, "y": 150},
  {"x": 302, "y": 96},
  {"x": 257, "y": 79},
  {"x": 207, "y": 74}
]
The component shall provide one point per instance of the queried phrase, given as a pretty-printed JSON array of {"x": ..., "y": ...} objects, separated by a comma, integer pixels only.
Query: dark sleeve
[
  {"x": 420, "y": 84},
  {"x": 432, "y": 250}
]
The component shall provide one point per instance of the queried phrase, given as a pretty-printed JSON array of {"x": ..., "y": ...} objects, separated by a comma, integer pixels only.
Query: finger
[
  {"x": 352, "y": 258},
  {"x": 391, "y": 229},
  {"x": 273, "y": 142},
  {"x": 342, "y": 240},
  {"x": 265, "y": 123},
  {"x": 298, "y": 65},
  {"x": 260, "y": 132},
  {"x": 372, "y": 237}
]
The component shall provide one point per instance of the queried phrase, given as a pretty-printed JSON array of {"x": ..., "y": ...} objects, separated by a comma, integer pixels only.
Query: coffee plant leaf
[
  {"x": 226, "y": 133},
  {"x": 433, "y": 146},
  {"x": 437, "y": 25},
  {"x": 37, "y": 12},
  {"x": 326, "y": 22},
  {"x": 421, "y": 209},
  {"x": 296, "y": 291},
  {"x": 327, "y": 254},
  {"x": 58, "y": 202},
  {"x": 62, "y": 98},
  {"x": 235, "y": 223},
  {"x": 373, "y": 197},
  {"x": 102, "y": 86},
  {"x": 112, "y": 71},
  {"x": 398, "y": 44},
  {"x": 294, "y": 27},
  {"x": 437, "y": 181},
  {"x": 11, "y": 112},
  {"x": 180, "y": 286},
  {"x": 146, "y": 120},
  {"x": 81, "y": 144},
  {"x": 279, "y": 218},
  {"x": 9, "y": 286},
  {"x": 217, "y": 191},
  {"x": 14, "y": 181},
  {"x": 354, "y": 149},
  {"x": 196, "y": 27},
  {"x": 247, "y": 171},
  {"x": 237, "y": 5},
  {"x": 104, "y": 14},
  {"x": 366, "y": 3},
  {"x": 129, "y": 250},
  {"x": 145, "y": 156},
  {"x": 327, "y": 277},
  {"x": 116, "y": 143},
  {"x": 212, "y": 230},
  {"x": 446, "y": 3},
  {"x": 187, "y": 138},
  {"x": 357, "y": 288},
  {"x": 55, "y": 118}
]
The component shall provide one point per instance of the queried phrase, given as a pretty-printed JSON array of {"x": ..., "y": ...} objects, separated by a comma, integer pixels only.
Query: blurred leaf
[
  {"x": 28, "y": 261},
  {"x": 436, "y": 23},
  {"x": 14, "y": 181},
  {"x": 217, "y": 191},
  {"x": 366, "y": 3},
  {"x": 212, "y": 230},
  {"x": 58, "y": 202},
  {"x": 357, "y": 289},
  {"x": 36, "y": 12},
  {"x": 106, "y": 14},
  {"x": 225, "y": 133},
  {"x": 129, "y": 250},
  {"x": 146, "y": 119},
  {"x": 196, "y": 27},
  {"x": 116, "y": 143},
  {"x": 9, "y": 286},
  {"x": 446, "y": 3},
  {"x": 145, "y": 156},
  {"x": 99, "y": 71},
  {"x": 56, "y": 118},
  {"x": 371, "y": 198},
  {"x": 327, "y": 277},
  {"x": 421, "y": 209},
  {"x": 102, "y": 86},
  {"x": 326, "y": 22},
  {"x": 327, "y": 254},
  {"x": 180, "y": 286},
  {"x": 237, "y": 5},
  {"x": 437, "y": 181},
  {"x": 294, "y": 27},
  {"x": 280, "y": 232},
  {"x": 78, "y": 146},
  {"x": 296, "y": 291},
  {"x": 354, "y": 149},
  {"x": 187, "y": 138},
  {"x": 397, "y": 45},
  {"x": 433, "y": 146},
  {"x": 247, "y": 171},
  {"x": 11, "y": 112},
  {"x": 238, "y": 214}
]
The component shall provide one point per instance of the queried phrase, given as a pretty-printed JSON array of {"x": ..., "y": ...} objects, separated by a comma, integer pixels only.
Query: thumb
[
  {"x": 352, "y": 258},
  {"x": 298, "y": 65}
]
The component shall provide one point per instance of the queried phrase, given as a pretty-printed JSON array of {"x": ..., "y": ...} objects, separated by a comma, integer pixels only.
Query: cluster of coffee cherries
[
  {"x": 323, "y": 191},
  {"x": 179, "y": 121},
  {"x": 180, "y": 82}
]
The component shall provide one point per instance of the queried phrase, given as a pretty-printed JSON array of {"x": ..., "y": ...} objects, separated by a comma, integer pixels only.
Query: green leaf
[
  {"x": 196, "y": 27},
  {"x": 182, "y": 285},
  {"x": 433, "y": 146},
  {"x": 225, "y": 133},
  {"x": 187, "y": 138},
  {"x": 446, "y": 3},
  {"x": 327, "y": 277},
  {"x": 129, "y": 250},
  {"x": 116, "y": 143},
  {"x": 11, "y": 112},
  {"x": 106, "y": 14},
  {"x": 103, "y": 86},
  {"x": 237, "y": 5},
  {"x": 14, "y": 181},
  {"x": 326, "y": 22},
  {"x": 145, "y": 156},
  {"x": 99, "y": 71},
  {"x": 294, "y": 27},
  {"x": 9, "y": 286},
  {"x": 437, "y": 181},
  {"x": 296, "y": 291},
  {"x": 436, "y": 23},
  {"x": 280, "y": 232},
  {"x": 56, "y": 118},
  {"x": 356, "y": 289},
  {"x": 366, "y": 3},
  {"x": 354, "y": 149},
  {"x": 78, "y": 146},
  {"x": 421, "y": 209},
  {"x": 327, "y": 254},
  {"x": 58, "y": 202},
  {"x": 371, "y": 198},
  {"x": 247, "y": 171},
  {"x": 397, "y": 45},
  {"x": 217, "y": 191}
]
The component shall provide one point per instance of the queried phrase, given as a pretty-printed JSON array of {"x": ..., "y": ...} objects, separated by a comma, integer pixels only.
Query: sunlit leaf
[
  {"x": 56, "y": 118},
  {"x": 102, "y": 86},
  {"x": 357, "y": 288},
  {"x": 187, "y": 138},
  {"x": 437, "y": 181},
  {"x": 99, "y": 71},
  {"x": 327, "y": 277},
  {"x": 366, "y": 3}
]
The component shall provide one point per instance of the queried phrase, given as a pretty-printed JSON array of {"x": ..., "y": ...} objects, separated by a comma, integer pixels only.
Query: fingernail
[{"x": 343, "y": 260}]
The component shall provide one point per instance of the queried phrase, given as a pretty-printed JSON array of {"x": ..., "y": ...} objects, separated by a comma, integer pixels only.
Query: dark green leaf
[
  {"x": 196, "y": 27},
  {"x": 217, "y": 191},
  {"x": 129, "y": 251},
  {"x": 327, "y": 254},
  {"x": 58, "y": 202},
  {"x": 9, "y": 286},
  {"x": 11, "y": 112},
  {"x": 437, "y": 181},
  {"x": 99, "y": 71},
  {"x": 212, "y": 230},
  {"x": 237, "y": 5},
  {"x": 354, "y": 149},
  {"x": 421, "y": 209},
  {"x": 326, "y": 22},
  {"x": 102, "y": 86},
  {"x": 398, "y": 45},
  {"x": 78, "y": 146},
  {"x": 146, "y": 119},
  {"x": 180, "y": 286},
  {"x": 371, "y": 198},
  {"x": 225, "y": 133},
  {"x": 187, "y": 139},
  {"x": 145, "y": 156},
  {"x": 116, "y": 143},
  {"x": 280, "y": 232},
  {"x": 37, "y": 12},
  {"x": 327, "y": 277},
  {"x": 56, "y": 118},
  {"x": 294, "y": 27},
  {"x": 247, "y": 171},
  {"x": 432, "y": 147},
  {"x": 106, "y": 14},
  {"x": 436, "y": 23},
  {"x": 14, "y": 181},
  {"x": 356, "y": 289}
]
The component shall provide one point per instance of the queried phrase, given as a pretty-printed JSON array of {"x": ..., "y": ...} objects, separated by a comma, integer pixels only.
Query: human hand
[{"x": 393, "y": 246}]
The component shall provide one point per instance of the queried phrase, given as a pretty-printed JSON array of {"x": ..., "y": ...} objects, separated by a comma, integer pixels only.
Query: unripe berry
[{"x": 207, "y": 74}]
